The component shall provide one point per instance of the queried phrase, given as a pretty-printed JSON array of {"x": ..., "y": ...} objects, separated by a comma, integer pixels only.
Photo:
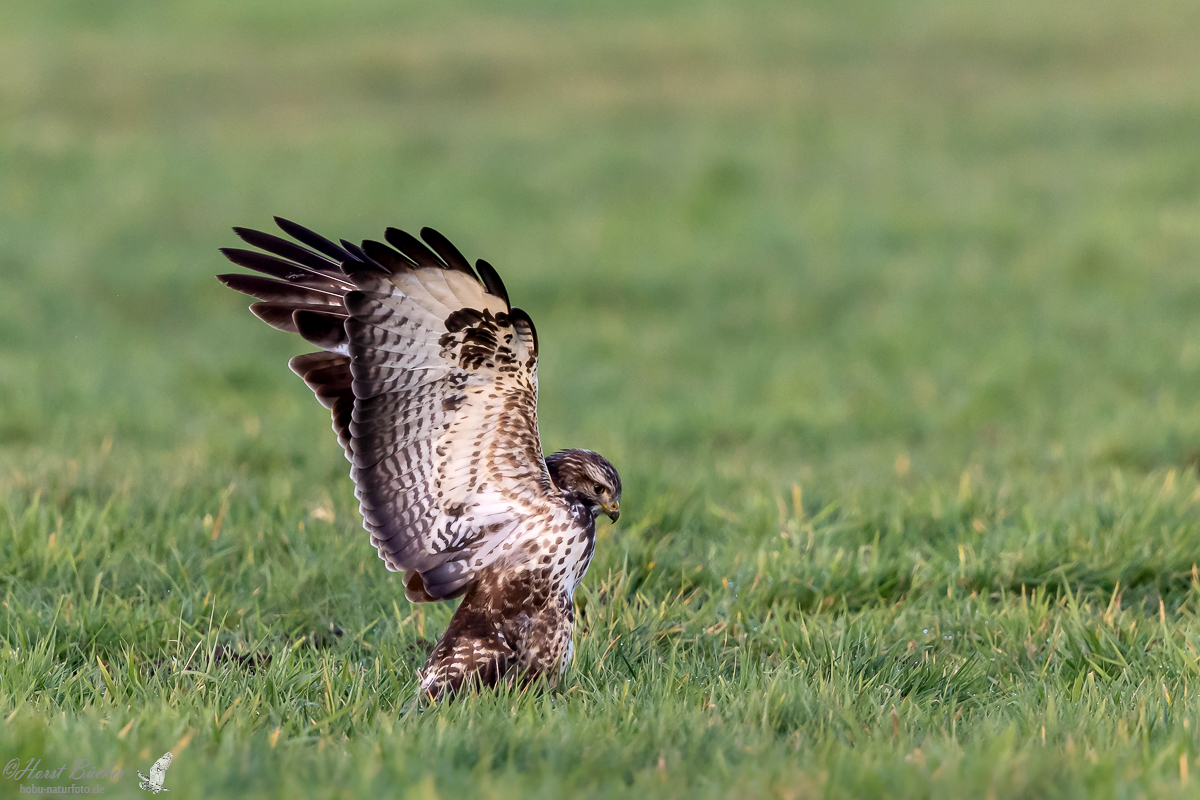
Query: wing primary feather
[
  {"x": 448, "y": 252},
  {"x": 272, "y": 290},
  {"x": 387, "y": 257},
  {"x": 491, "y": 279},
  {"x": 413, "y": 247},
  {"x": 325, "y": 330},
  {"x": 313, "y": 239},
  {"x": 277, "y": 318},
  {"x": 280, "y": 315},
  {"x": 354, "y": 250},
  {"x": 328, "y": 375},
  {"x": 361, "y": 260},
  {"x": 282, "y": 247},
  {"x": 287, "y": 270},
  {"x": 307, "y": 362}
]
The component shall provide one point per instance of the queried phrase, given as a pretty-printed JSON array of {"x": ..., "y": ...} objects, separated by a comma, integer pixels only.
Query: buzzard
[{"x": 431, "y": 377}]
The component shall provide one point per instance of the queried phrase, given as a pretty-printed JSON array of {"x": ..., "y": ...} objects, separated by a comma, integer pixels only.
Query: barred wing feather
[{"x": 431, "y": 378}]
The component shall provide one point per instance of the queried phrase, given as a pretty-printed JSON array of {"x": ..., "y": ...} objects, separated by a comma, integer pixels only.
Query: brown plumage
[{"x": 431, "y": 378}]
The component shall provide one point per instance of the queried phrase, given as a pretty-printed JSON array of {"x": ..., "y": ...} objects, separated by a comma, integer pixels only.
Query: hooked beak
[{"x": 613, "y": 511}]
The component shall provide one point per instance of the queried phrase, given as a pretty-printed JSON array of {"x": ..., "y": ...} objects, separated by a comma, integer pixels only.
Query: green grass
[{"x": 887, "y": 314}]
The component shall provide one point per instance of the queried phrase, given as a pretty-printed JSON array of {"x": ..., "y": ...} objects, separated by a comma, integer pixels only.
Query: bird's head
[{"x": 590, "y": 477}]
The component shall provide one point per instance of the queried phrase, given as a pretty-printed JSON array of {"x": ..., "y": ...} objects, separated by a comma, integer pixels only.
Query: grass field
[{"x": 889, "y": 315}]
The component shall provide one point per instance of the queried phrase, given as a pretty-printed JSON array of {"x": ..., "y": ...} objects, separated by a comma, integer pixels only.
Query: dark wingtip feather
[
  {"x": 520, "y": 315},
  {"x": 233, "y": 253},
  {"x": 306, "y": 363},
  {"x": 453, "y": 257},
  {"x": 277, "y": 291},
  {"x": 413, "y": 248},
  {"x": 385, "y": 256},
  {"x": 275, "y": 315},
  {"x": 281, "y": 268},
  {"x": 313, "y": 239},
  {"x": 327, "y": 331},
  {"x": 286, "y": 249},
  {"x": 361, "y": 261},
  {"x": 354, "y": 250},
  {"x": 491, "y": 280}
]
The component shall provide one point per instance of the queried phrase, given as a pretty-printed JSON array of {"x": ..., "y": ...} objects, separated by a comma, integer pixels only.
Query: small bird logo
[{"x": 154, "y": 781}]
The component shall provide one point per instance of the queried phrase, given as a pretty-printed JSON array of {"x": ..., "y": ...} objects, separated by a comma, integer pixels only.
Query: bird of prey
[
  {"x": 154, "y": 781},
  {"x": 431, "y": 378}
]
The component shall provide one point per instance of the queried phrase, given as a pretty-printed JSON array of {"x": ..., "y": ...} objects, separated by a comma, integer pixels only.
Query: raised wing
[
  {"x": 158, "y": 772},
  {"x": 431, "y": 378}
]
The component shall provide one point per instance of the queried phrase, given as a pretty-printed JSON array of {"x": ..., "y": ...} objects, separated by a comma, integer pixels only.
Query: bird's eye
[{"x": 599, "y": 489}]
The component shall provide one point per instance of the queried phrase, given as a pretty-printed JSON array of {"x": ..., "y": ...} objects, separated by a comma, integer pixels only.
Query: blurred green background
[
  {"x": 871, "y": 260},
  {"x": 762, "y": 236}
]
